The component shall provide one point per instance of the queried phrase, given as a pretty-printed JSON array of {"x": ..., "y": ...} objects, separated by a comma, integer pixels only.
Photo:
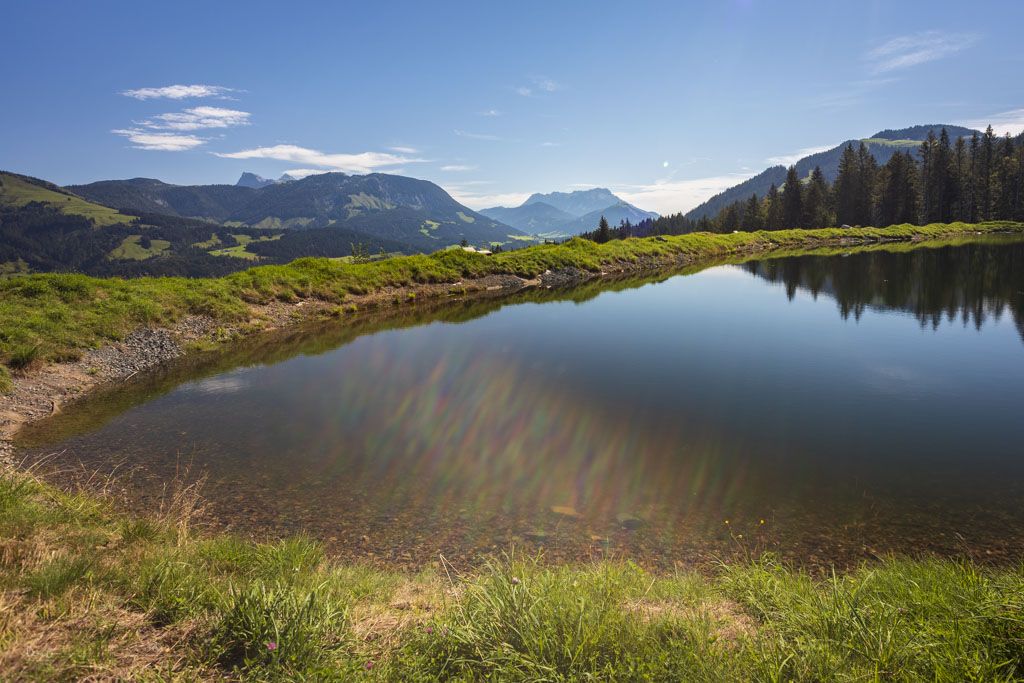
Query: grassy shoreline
[
  {"x": 54, "y": 317},
  {"x": 86, "y": 592},
  {"x": 90, "y": 592}
]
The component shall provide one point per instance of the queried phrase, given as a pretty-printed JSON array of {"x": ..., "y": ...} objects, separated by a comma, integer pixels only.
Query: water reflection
[
  {"x": 727, "y": 417},
  {"x": 972, "y": 283}
]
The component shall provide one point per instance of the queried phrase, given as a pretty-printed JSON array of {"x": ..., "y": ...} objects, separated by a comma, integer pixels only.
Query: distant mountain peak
[
  {"x": 254, "y": 181},
  {"x": 920, "y": 133}
]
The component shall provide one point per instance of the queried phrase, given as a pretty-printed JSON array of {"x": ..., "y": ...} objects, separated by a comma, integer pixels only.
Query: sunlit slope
[{"x": 18, "y": 191}]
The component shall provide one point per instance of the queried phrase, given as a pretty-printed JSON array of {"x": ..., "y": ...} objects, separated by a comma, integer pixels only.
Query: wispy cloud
[
  {"x": 475, "y": 136},
  {"x": 551, "y": 144},
  {"x": 159, "y": 142},
  {"x": 1011, "y": 122},
  {"x": 464, "y": 194},
  {"x": 458, "y": 167},
  {"x": 537, "y": 84},
  {"x": 790, "y": 159},
  {"x": 910, "y": 50},
  {"x": 490, "y": 112},
  {"x": 178, "y": 92},
  {"x": 364, "y": 162},
  {"x": 404, "y": 150},
  {"x": 198, "y": 118},
  {"x": 670, "y": 196}
]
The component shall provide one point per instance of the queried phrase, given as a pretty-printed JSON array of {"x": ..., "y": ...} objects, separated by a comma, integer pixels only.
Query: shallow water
[{"x": 827, "y": 408}]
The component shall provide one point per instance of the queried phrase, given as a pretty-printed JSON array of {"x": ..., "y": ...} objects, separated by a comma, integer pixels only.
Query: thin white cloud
[
  {"x": 790, "y": 159},
  {"x": 404, "y": 150},
  {"x": 490, "y": 112},
  {"x": 538, "y": 83},
  {"x": 300, "y": 173},
  {"x": 160, "y": 142},
  {"x": 364, "y": 162},
  {"x": 547, "y": 85},
  {"x": 551, "y": 144},
  {"x": 670, "y": 196},
  {"x": 198, "y": 118},
  {"x": 903, "y": 52},
  {"x": 458, "y": 167},
  {"x": 475, "y": 136},
  {"x": 476, "y": 200},
  {"x": 1011, "y": 122},
  {"x": 178, "y": 92}
]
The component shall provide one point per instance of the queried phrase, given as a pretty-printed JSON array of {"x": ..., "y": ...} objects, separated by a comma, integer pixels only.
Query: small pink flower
[
  {"x": 369, "y": 665},
  {"x": 430, "y": 629},
  {"x": 271, "y": 646}
]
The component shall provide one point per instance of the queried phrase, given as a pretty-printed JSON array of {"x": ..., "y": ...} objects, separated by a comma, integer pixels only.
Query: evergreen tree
[
  {"x": 847, "y": 187},
  {"x": 773, "y": 217},
  {"x": 792, "y": 200},
  {"x": 752, "y": 219},
  {"x": 983, "y": 174},
  {"x": 816, "y": 199},
  {"x": 603, "y": 231},
  {"x": 867, "y": 169}
]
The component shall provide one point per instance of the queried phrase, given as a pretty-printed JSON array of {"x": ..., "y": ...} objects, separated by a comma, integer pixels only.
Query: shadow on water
[{"x": 716, "y": 415}]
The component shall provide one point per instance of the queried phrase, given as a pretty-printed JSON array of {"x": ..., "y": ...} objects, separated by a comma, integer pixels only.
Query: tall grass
[
  {"x": 56, "y": 315},
  {"x": 85, "y": 591}
]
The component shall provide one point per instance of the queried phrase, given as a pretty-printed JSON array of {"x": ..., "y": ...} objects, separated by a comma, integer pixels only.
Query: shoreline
[{"x": 46, "y": 387}]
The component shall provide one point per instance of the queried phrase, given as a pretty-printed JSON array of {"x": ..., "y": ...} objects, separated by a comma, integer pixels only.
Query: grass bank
[
  {"x": 86, "y": 592},
  {"x": 55, "y": 316}
]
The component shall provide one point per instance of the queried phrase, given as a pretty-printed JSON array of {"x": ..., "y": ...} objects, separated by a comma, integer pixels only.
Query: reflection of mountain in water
[{"x": 972, "y": 282}]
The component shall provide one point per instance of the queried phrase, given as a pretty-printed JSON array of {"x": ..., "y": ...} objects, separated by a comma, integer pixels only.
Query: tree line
[{"x": 973, "y": 179}]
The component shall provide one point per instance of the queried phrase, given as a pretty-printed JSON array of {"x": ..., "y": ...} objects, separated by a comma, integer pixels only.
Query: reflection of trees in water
[{"x": 973, "y": 282}]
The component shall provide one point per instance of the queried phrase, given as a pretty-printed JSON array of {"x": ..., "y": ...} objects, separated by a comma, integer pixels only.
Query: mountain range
[
  {"x": 560, "y": 214},
  {"x": 882, "y": 145},
  {"x": 416, "y": 213},
  {"x": 144, "y": 226}
]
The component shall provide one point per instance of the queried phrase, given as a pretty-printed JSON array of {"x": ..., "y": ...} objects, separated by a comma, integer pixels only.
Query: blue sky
[{"x": 663, "y": 102}]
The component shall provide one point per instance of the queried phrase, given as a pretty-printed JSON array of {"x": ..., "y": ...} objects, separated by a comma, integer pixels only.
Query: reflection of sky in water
[{"x": 698, "y": 394}]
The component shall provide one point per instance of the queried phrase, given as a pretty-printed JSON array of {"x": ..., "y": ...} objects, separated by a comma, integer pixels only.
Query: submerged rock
[
  {"x": 565, "y": 511},
  {"x": 628, "y": 521}
]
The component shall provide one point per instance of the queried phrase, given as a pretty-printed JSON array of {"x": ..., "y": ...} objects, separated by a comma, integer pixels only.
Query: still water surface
[{"x": 827, "y": 408}]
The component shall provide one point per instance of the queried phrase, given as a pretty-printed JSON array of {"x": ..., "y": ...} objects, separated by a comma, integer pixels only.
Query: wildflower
[
  {"x": 726, "y": 521},
  {"x": 515, "y": 581},
  {"x": 271, "y": 645},
  {"x": 429, "y": 630},
  {"x": 368, "y": 665},
  {"x": 762, "y": 521}
]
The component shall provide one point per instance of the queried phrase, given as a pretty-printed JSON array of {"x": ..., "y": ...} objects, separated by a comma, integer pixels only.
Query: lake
[{"x": 827, "y": 408}]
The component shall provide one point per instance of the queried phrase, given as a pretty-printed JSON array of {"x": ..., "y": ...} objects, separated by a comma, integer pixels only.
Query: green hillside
[{"x": 18, "y": 191}]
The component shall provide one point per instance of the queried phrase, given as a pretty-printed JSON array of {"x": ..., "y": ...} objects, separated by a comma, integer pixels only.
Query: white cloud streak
[
  {"x": 458, "y": 167},
  {"x": 476, "y": 201},
  {"x": 903, "y": 52},
  {"x": 475, "y": 136},
  {"x": 364, "y": 162},
  {"x": 160, "y": 142},
  {"x": 1011, "y": 122},
  {"x": 671, "y": 196},
  {"x": 198, "y": 118},
  {"x": 790, "y": 159},
  {"x": 178, "y": 92},
  {"x": 404, "y": 150}
]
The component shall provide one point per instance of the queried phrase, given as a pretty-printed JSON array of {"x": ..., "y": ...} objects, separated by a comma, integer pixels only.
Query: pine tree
[
  {"x": 752, "y": 219},
  {"x": 792, "y": 200},
  {"x": 983, "y": 174},
  {"x": 867, "y": 169},
  {"x": 816, "y": 199},
  {"x": 603, "y": 231},
  {"x": 847, "y": 187},
  {"x": 773, "y": 216}
]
